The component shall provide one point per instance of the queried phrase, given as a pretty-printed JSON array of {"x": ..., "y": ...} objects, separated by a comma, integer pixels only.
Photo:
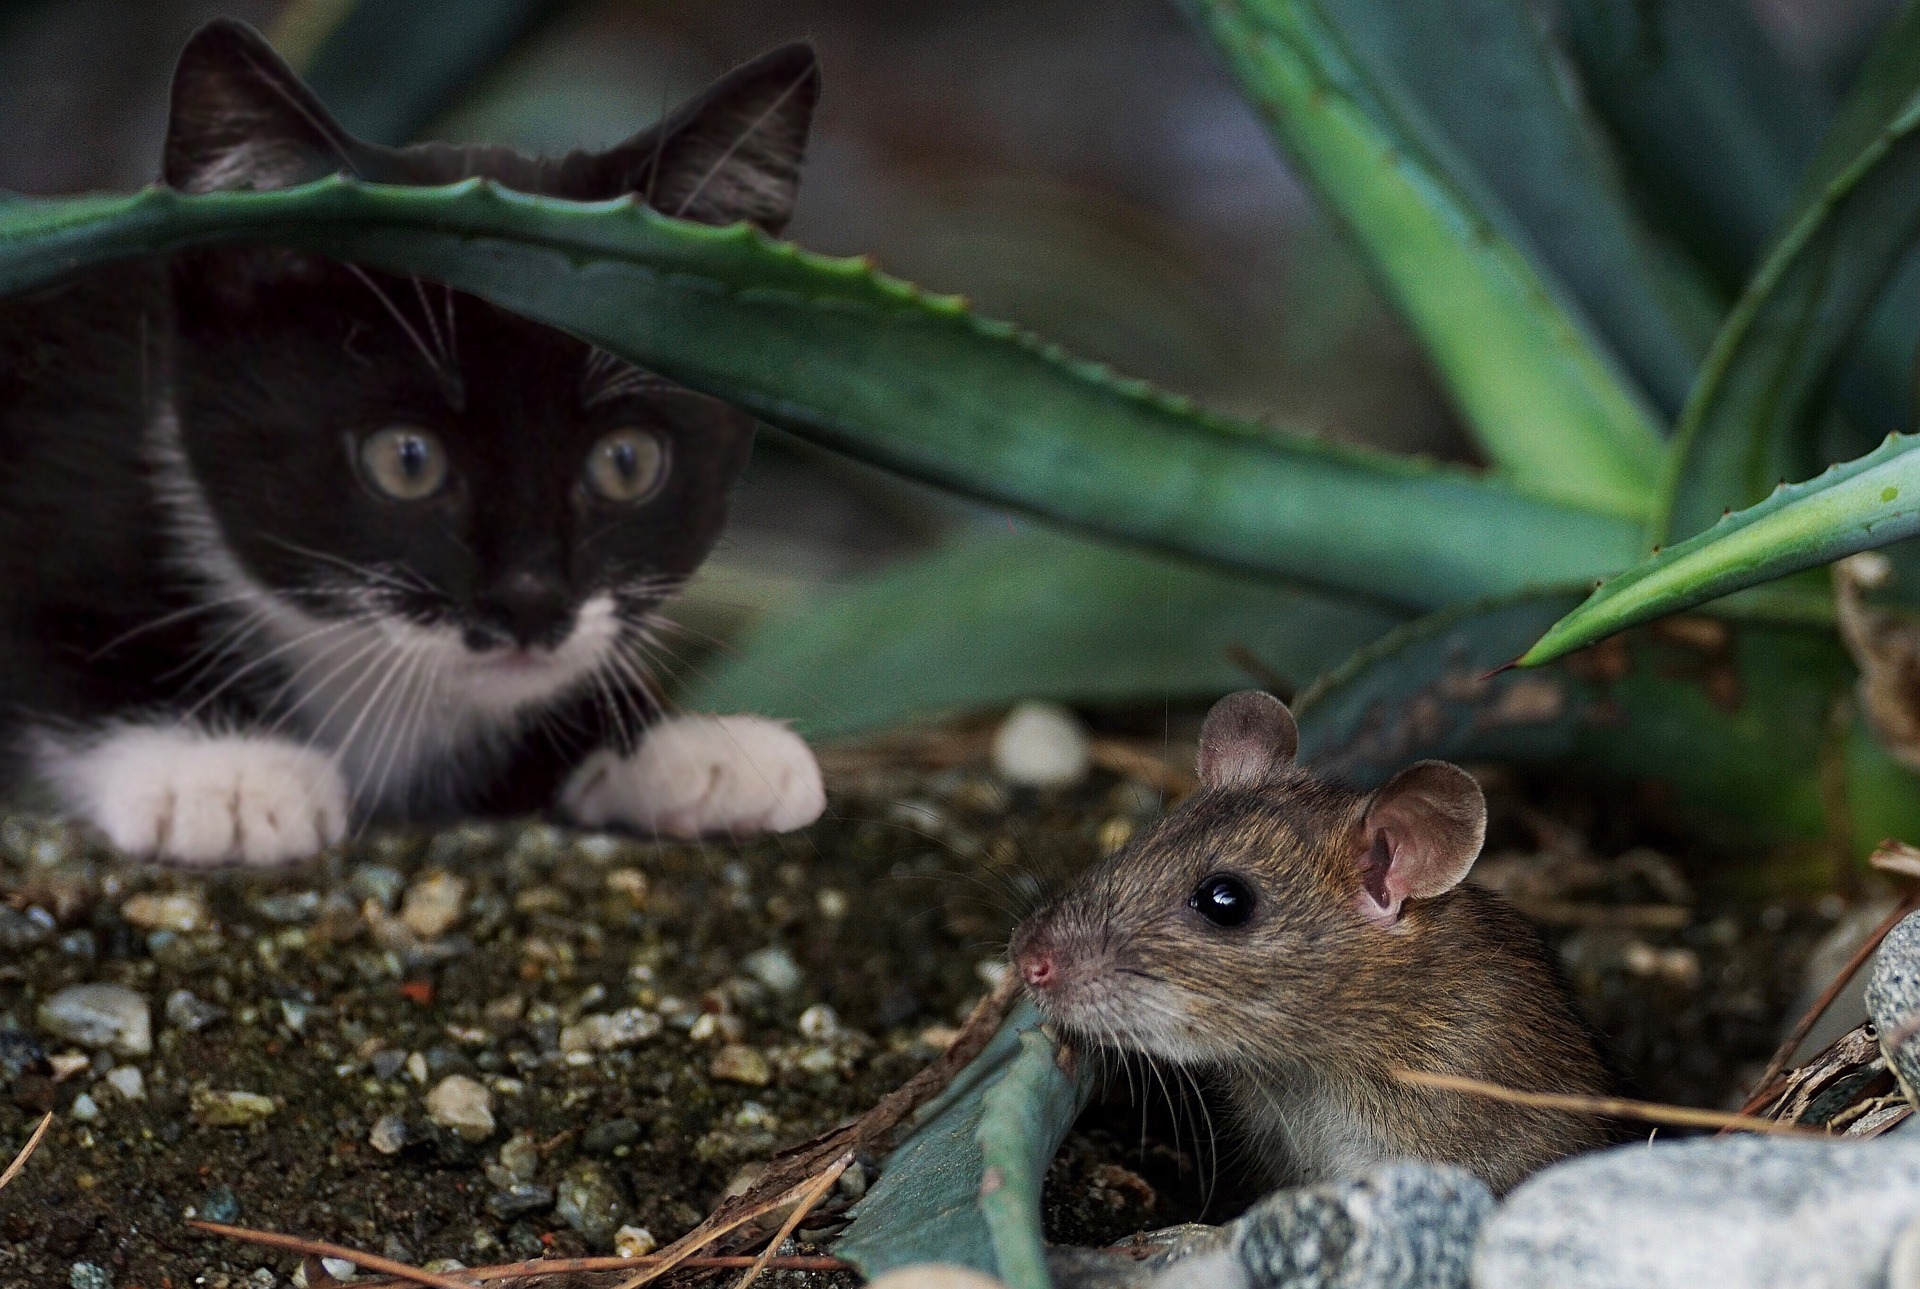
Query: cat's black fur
[{"x": 122, "y": 526}]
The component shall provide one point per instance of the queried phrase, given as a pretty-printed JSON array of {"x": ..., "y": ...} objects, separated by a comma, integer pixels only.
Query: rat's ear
[
  {"x": 1424, "y": 829},
  {"x": 731, "y": 154},
  {"x": 241, "y": 118},
  {"x": 1247, "y": 738}
]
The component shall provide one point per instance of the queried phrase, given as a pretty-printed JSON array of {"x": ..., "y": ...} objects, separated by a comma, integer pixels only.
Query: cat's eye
[
  {"x": 404, "y": 462},
  {"x": 1222, "y": 899},
  {"x": 627, "y": 466}
]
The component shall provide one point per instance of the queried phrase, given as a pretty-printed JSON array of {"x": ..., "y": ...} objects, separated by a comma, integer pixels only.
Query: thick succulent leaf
[
  {"x": 1728, "y": 721},
  {"x": 1713, "y": 123},
  {"x": 1546, "y": 398},
  {"x": 964, "y": 1187},
  {"x": 388, "y": 67},
  {"x": 1852, "y": 507},
  {"x": 1750, "y": 423},
  {"x": 873, "y": 367},
  {"x": 998, "y": 616}
]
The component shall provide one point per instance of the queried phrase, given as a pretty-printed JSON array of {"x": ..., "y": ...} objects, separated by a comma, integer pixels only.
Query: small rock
[
  {"x": 181, "y": 911},
  {"x": 434, "y": 904},
  {"x": 388, "y": 1134},
  {"x": 605, "y": 1138},
  {"x": 20, "y": 1053},
  {"x": 190, "y": 1013},
  {"x": 1041, "y": 745},
  {"x": 230, "y": 1109},
  {"x": 630, "y": 882},
  {"x": 738, "y": 1063},
  {"x": 1712, "y": 1211},
  {"x": 831, "y": 903},
  {"x": 773, "y": 967},
  {"x": 417, "y": 1067},
  {"x": 110, "y": 1016},
  {"x": 608, "y": 1032},
  {"x": 520, "y": 1157},
  {"x": 935, "y": 1275},
  {"x": 378, "y": 883},
  {"x": 85, "y": 1275},
  {"x": 519, "y": 1201},
  {"x": 819, "y": 1023},
  {"x": 65, "y": 1065},
  {"x": 338, "y": 1268},
  {"x": 220, "y": 1205},
  {"x": 288, "y": 908},
  {"x": 463, "y": 1106},
  {"x": 128, "y": 1082},
  {"x": 1893, "y": 1000},
  {"x": 18, "y": 932},
  {"x": 589, "y": 1200},
  {"x": 387, "y": 1063},
  {"x": 295, "y": 1014},
  {"x": 634, "y": 1242},
  {"x": 84, "y": 1109}
]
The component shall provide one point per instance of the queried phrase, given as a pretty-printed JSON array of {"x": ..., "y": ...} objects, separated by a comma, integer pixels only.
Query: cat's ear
[
  {"x": 241, "y": 118},
  {"x": 731, "y": 154}
]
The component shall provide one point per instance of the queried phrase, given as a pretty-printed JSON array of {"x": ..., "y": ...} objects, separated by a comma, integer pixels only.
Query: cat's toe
[{"x": 701, "y": 775}]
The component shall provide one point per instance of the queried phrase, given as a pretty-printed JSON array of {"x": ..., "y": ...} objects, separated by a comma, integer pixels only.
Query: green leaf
[
  {"x": 1549, "y": 403},
  {"x": 964, "y": 1188},
  {"x": 996, "y": 617},
  {"x": 875, "y": 368},
  {"x": 1729, "y": 719},
  {"x": 391, "y": 66},
  {"x": 1852, "y": 507},
  {"x": 1750, "y": 422}
]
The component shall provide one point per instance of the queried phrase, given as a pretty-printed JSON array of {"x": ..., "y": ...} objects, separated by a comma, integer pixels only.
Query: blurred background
[{"x": 1078, "y": 166}]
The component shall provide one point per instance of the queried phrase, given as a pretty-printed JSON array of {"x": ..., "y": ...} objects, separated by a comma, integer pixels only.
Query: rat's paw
[
  {"x": 698, "y": 775},
  {"x": 185, "y": 796}
]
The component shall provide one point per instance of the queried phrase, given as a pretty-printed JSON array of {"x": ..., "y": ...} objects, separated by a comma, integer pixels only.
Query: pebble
[
  {"x": 378, "y": 883},
  {"x": 819, "y": 1023},
  {"x": 18, "y": 932},
  {"x": 230, "y": 1109},
  {"x": 19, "y": 1053},
  {"x": 388, "y": 1134},
  {"x": 186, "y": 1011},
  {"x": 738, "y": 1063},
  {"x": 220, "y": 1205},
  {"x": 773, "y": 967},
  {"x": 287, "y": 908},
  {"x": 1893, "y": 1000},
  {"x": 935, "y": 1275},
  {"x": 610, "y": 1031},
  {"x": 1041, "y": 745},
  {"x": 605, "y": 1138},
  {"x": 110, "y": 1016},
  {"x": 85, "y": 1275},
  {"x": 831, "y": 903},
  {"x": 634, "y": 1242},
  {"x": 1733, "y": 1212},
  {"x": 520, "y": 1157},
  {"x": 387, "y": 1062},
  {"x": 84, "y": 1109},
  {"x": 463, "y": 1106},
  {"x": 434, "y": 904},
  {"x": 338, "y": 1268},
  {"x": 589, "y": 1200},
  {"x": 181, "y": 911},
  {"x": 519, "y": 1201},
  {"x": 128, "y": 1082}
]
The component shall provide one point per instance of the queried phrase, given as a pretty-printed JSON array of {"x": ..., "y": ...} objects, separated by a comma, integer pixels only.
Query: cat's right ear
[{"x": 241, "y": 118}]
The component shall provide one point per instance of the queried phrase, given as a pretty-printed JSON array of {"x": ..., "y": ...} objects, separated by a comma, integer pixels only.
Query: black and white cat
[{"x": 286, "y": 543}]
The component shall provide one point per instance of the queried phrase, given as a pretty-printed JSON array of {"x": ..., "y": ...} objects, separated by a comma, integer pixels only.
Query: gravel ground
[{"x": 505, "y": 1040}]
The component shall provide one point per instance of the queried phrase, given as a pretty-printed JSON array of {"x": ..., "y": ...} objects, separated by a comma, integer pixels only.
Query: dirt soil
[{"x": 639, "y": 1021}]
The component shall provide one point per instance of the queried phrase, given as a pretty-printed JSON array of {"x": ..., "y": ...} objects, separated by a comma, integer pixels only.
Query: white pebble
[
  {"x": 634, "y": 1242},
  {"x": 177, "y": 911},
  {"x": 819, "y": 1023},
  {"x": 84, "y": 1108},
  {"x": 1041, "y": 745},
  {"x": 112, "y": 1016},
  {"x": 128, "y": 1082},
  {"x": 462, "y": 1105},
  {"x": 434, "y": 904},
  {"x": 773, "y": 967}
]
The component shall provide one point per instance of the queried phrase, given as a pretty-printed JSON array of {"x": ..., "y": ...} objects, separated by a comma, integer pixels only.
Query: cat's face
[{"x": 358, "y": 448}]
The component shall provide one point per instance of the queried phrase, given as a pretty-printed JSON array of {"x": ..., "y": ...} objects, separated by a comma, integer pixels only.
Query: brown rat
[{"x": 1301, "y": 939}]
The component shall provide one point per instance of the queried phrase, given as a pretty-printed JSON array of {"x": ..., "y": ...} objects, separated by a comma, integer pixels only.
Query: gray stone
[
  {"x": 85, "y": 1275},
  {"x": 1710, "y": 1213},
  {"x": 519, "y": 1201},
  {"x": 110, "y": 1016},
  {"x": 605, "y": 1138},
  {"x": 186, "y": 1011},
  {"x": 1893, "y": 1000},
  {"x": 18, "y": 932},
  {"x": 220, "y": 1205},
  {"x": 589, "y": 1201}
]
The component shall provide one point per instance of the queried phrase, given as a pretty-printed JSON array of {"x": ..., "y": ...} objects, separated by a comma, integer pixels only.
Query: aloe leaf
[
  {"x": 964, "y": 1187},
  {"x": 388, "y": 67},
  {"x": 1856, "y": 506},
  {"x": 998, "y": 616},
  {"x": 1749, "y": 423},
  {"x": 875, "y": 368},
  {"x": 1549, "y": 403},
  {"x": 1728, "y": 719}
]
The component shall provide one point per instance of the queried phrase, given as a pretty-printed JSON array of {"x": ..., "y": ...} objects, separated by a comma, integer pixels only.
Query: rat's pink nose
[{"x": 1036, "y": 968}]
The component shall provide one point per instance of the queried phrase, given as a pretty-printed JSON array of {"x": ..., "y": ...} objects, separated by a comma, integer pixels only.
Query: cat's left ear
[
  {"x": 731, "y": 154},
  {"x": 242, "y": 118}
]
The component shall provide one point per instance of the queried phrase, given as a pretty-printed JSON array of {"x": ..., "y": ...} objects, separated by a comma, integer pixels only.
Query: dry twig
[
  {"x": 322, "y": 1249},
  {"x": 508, "y": 1271},
  {"x": 1607, "y": 1107},
  {"x": 820, "y": 1187},
  {"x": 26, "y": 1151}
]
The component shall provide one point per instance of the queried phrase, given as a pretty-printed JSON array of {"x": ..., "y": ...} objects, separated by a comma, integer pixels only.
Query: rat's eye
[
  {"x": 1222, "y": 899},
  {"x": 627, "y": 466},
  {"x": 404, "y": 462}
]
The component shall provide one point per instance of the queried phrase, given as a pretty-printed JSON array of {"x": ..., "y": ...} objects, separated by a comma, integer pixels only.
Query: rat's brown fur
[{"x": 1305, "y": 1010}]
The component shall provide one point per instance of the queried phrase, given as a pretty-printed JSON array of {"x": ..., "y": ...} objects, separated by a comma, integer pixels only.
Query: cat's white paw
[
  {"x": 699, "y": 775},
  {"x": 187, "y": 796}
]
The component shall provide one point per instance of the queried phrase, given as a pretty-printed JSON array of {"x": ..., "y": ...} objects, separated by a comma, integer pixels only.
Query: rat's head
[
  {"x": 1267, "y": 917},
  {"x": 349, "y": 447}
]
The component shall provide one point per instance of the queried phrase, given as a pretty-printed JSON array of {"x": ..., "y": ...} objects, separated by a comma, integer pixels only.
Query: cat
[{"x": 287, "y": 544}]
